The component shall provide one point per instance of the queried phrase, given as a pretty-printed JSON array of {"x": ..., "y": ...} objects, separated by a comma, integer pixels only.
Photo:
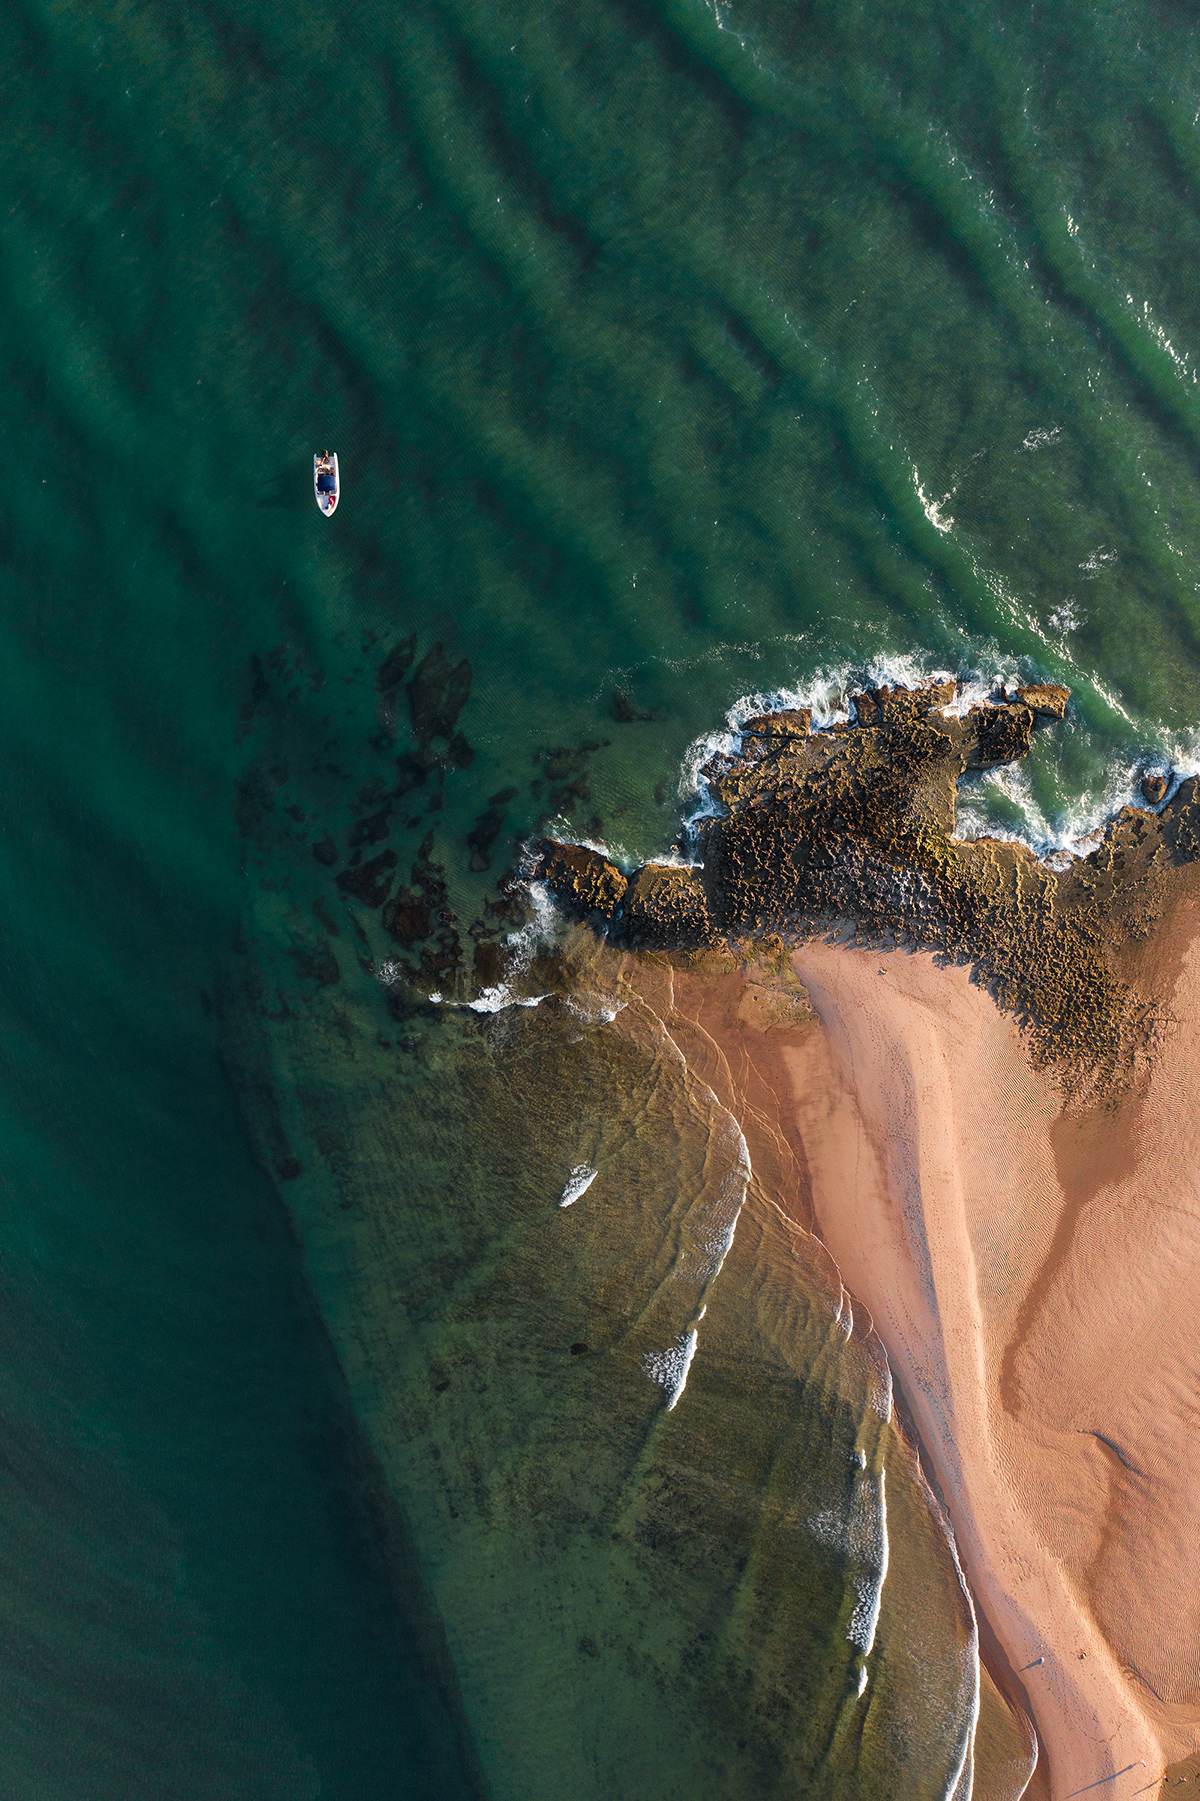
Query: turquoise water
[{"x": 673, "y": 354}]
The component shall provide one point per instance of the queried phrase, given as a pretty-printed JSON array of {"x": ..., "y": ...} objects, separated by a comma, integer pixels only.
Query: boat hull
[{"x": 327, "y": 485}]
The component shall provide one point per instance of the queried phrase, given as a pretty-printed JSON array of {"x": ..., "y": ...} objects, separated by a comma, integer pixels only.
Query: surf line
[
  {"x": 670, "y": 1368},
  {"x": 864, "y": 1620}
]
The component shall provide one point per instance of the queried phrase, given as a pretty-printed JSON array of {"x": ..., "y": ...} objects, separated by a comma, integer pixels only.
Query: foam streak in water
[
  {"x": 869, "y": 1539},
  {"x": 670, "y": 1368},
  {"x": 578, "y": 1183}
]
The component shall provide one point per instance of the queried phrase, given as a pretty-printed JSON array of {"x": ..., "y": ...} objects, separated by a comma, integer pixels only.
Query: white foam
[
  {"x": 595, "y": 1009},
  {"x": 723, "y": 1224},
  {"x": 962, "y": 1777},
  {"x": 494, "y": 1000},
  {"x": 934, "y": 510},
  {"x": 1067, "y": 617},
  {"x": 1081, "y": 825},
  {"x": 578, "y": 1182},
  {"x": 982, "y": 689},
  {"x": 1043, "y": 435},
  {"x": 670, "y": 1368},
  {"x": 828, "y": 1528},
  {"x": 536, "y": 931},
  {"x": 1054, "y": 840},
  {"x": 867, "y": 1537}
]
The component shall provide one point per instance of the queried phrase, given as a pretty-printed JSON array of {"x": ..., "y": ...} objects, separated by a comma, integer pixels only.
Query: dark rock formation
[
  {"x": 564, "y": 770},
  {"x": 406, "y": 917},
  {"x": 855, "y": 825},
  {"x": 1154, "y": 788},
  {"x": 437, "y": 695},
  {"x": 624, "y": 712},
  {"x": 581, "y": 879},
  {"x": 317, "y": 965},
  {"x": 788, "y": 723},
  {"x": 1046, "y": 699},
  {"x": 666, "y": 908},
  {"x": 370, "y": 882},
  {"x": 372, "y": 830},
  {"x": 489, "y": 964},
  {"x": 483, "y": 834},
  {"x": 396, "y": 664}
]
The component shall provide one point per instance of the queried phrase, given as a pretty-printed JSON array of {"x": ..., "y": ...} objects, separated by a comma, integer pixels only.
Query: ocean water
[{"x": 675, "y": 354}]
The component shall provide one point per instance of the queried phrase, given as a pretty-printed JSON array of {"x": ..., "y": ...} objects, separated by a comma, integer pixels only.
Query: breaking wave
[
  {"x": 578, "y": 1183},
  {"x": 1011, "y": 802}
]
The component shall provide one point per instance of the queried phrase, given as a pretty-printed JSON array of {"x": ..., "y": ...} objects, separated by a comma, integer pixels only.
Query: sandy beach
[
  {"x": 1034, "y": 1276},
  {"x": 993, "y": 1140},
  {"x": 1033, "y": 1272}
]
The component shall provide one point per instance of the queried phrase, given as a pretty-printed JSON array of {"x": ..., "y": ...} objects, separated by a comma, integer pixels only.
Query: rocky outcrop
[
  {"x": 996, "y": 735},
  {"x": 1046, "y": 699},
  {"x": 877, "y": 705},
  {"x": 1154, "y": 788},
  {"x": 855, "y": 824},
  {"x": 582, "y": 880},
  {"x": 666, "y": 908},
  {"x": 790, "y": 722}
]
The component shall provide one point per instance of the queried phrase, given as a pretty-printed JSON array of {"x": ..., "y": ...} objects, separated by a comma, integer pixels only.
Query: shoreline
[
  {"x": 741, "y": 1028},
  {"x": 877, "y": 1124},
  {"x": 975, "y": 1098}
]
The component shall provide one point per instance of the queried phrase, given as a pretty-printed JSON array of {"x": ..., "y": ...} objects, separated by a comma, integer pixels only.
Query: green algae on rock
[{"x": 855, "y": 825}]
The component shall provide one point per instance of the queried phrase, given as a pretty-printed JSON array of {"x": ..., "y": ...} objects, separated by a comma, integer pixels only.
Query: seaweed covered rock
[
  {"x": 666, "y": 908},
  {"x": 790, "y": 722},
  {"x": 1046, "y": 699},
  {"x": 997, "y": 735},
  {"x": 581, "y": 879}
]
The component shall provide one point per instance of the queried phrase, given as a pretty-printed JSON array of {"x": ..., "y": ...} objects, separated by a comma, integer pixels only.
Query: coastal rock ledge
[{"x": 854, "y": 826}]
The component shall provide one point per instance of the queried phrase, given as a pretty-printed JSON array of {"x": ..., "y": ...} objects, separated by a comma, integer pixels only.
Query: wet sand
[
  {"x": 756, "y": 1043},
  {"x": 1035, "y": 1278}
]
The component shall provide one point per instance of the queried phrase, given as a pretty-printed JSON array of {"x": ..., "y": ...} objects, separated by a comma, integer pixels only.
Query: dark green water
[{"x": 673, "y": 353}]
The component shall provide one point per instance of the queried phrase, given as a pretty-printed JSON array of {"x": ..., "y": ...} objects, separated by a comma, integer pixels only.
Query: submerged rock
[{"x": 369, "y": 882}]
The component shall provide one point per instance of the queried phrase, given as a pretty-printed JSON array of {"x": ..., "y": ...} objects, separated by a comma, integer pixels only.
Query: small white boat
[{"x": 326, "y": 484}]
